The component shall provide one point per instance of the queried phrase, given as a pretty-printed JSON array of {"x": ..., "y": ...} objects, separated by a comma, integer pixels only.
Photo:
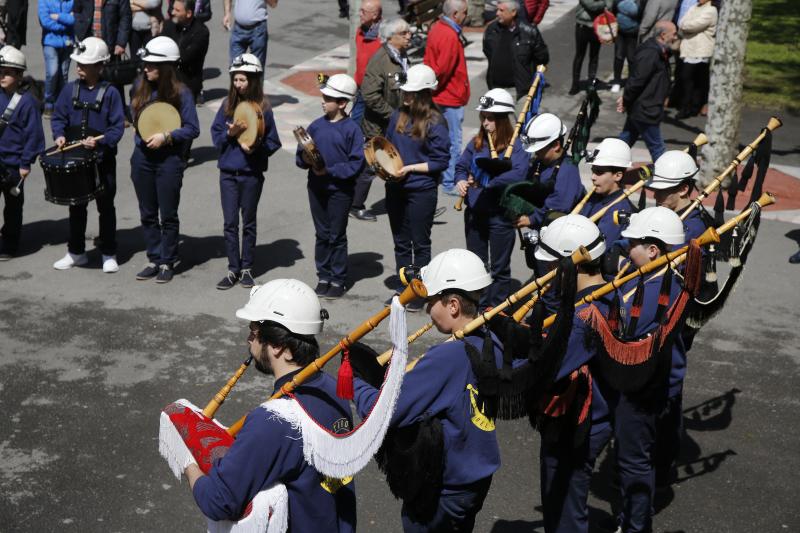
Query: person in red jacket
[
  {"x": 367, "y": 43},
  {"x": 444, "y": 53},
  {"x": 535, "y": 10}
]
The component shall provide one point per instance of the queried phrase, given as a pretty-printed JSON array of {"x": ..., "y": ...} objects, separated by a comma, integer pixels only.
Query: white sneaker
[
  {"x": 70, "y": 260},
  {"x": 110, "y": 264},
  {"x": 615, "y": 88}
]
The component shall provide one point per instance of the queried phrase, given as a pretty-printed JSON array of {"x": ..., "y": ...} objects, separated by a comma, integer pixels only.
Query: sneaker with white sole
[
  {"x": 110, "y": 264},
  {"x": 70, "y": 260},
  {"x": 615, "y": 88}
]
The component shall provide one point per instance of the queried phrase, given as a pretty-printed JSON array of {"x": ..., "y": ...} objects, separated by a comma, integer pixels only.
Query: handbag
[{"x": 121, "y": 71}]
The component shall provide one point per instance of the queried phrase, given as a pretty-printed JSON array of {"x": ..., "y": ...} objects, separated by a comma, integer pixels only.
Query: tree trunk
[
  {"x": 355, "y": 21},
  {"x": 725, "y": 92}
]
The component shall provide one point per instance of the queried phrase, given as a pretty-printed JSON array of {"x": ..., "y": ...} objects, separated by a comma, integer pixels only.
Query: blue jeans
[
  {"x": 240, "y": 194},
  {"x": 651, "y": 133},
  {"x": 357, "y": 113},
  {"x": 56, "y": 69},
  {"x": 253, "y": 37},
  {"x": 329, "y": 212},
  {"x": 454, "y": 116},
  {"x": 458, "y": 507}
]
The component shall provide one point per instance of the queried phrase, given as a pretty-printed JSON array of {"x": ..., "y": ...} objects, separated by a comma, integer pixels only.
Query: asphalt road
[{"x": 88, "y": 359}]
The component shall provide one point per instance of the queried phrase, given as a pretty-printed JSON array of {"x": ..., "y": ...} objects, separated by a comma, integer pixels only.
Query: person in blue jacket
[
  {"x": 442, "y": 387},
  {"x": 552, "y": 168},
  {"x": 566, "y": 467},
  {"x": 156, "y": 164},
  {"x": 331, "y": 184},
  {"x": 644, "y": 419},
  {"x": 88, "y": 107},
  {"x": 21, "y": 142},
  {"x": 241, "y": 176},
  {"x": 488, "y": 231},
  {"x": 284, "y": 317},
  {"x": 419, "y": 132},
  {"x": 57, "y": 21}
]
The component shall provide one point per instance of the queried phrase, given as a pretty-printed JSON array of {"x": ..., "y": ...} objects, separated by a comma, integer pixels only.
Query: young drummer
[
  {"x": 88, "y": 107},
  {"x": 489, "y": 233},
  {"x": 21, "y": 141},
  {"x": 330, "y": 189},
  {"x": 157, "y": 164},
  {"x": 442, "y": 389},
  {"x": 419, "y": 132},
  {"x": 241, "y": 176}
]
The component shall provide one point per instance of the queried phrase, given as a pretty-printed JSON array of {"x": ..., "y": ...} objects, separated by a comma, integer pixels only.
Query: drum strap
[
  {"x": 85, "y": 107},
  {"x": 5, "y": 119}
]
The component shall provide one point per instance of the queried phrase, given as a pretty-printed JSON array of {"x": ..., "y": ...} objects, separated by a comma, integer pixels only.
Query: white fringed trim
[
  {"x": 171, "y": 445},
  {"x": 274, "y": 500},
  {"x": 342, "y": 456}
]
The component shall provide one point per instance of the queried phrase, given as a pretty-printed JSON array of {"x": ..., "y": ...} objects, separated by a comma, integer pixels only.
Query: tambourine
[
  {"x": 309, "y": 147},
  {"x": 251, "y": 115},
  {"x": 157, "y": 117},
  {"x": 384, "y": 159}
]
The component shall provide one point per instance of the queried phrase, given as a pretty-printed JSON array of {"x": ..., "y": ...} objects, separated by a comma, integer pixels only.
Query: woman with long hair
[
  {"x": 241, "y": 168},
  {"x": 157, "y": 164},
  {"x": 419, "y": 132},
  {"x": 489, "y": 234}
]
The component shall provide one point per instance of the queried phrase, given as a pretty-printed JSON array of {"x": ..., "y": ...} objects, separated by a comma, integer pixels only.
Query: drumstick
[
  {"x": 71, "y": 146},
  {"x": 16, "y": 190}
]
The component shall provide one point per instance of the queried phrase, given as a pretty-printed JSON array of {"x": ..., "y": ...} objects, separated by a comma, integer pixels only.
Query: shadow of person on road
[
  {"x": 363, "y": 265},
  {"x": 278, "y": 253},
  {"x": 37, "y": 234},
  {"x": 202, "y": 154},
  {"x": 714, "y": 414},
  {"x": 515, "y": 526}
]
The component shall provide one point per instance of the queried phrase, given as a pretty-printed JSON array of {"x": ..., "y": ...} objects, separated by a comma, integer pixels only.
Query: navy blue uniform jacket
[
  {"x": 487, "y": 199},
  {"x": 109, "y": 120},
  {"x": 567, "y": 193},
  {"x": 341, "y": 144},
  {"x": 23, "y": 139},
  {"x": 611, "y": 232},
  {"x": 231, "y": 157},
  {"x": 268, "y": 451},
  {"x": 439, "y": 385},
  {"x": 434, "y": 149}
]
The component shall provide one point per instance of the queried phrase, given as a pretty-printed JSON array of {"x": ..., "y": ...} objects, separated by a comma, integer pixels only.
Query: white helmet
[
  {"x": 289, "y": 302},
  {"x": 541, "y": 130},
  {"x": 611, "y": 152},
  {"x": 672, "y": 169},
  {"x": 496, "y": 101},
  {"x": 90, "y": 51},
  {"x": 246, "y": 63},
  {"x": 419, "y": 77},
  {"x": 455, "y": 269},
  {"x": 13, "y": 58},
  {"x": 565, "y": 235},
  {"x": 159, "y": 50},
  {"x": 338, "y": 86},
  {"x": 656, "y": 223}
]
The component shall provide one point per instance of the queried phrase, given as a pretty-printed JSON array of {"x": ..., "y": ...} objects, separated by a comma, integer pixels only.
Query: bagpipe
[{"x": 189, "y": 435}]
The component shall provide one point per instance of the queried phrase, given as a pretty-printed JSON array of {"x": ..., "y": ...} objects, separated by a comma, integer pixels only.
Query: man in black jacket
[
  {"x": 514, "y": 49},
  {"x": 192, "y": 36},
  {"x": 647, "y": 89}
]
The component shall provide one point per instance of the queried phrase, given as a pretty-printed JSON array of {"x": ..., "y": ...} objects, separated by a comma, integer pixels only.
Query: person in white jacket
[{"x": 697, "y": 29}]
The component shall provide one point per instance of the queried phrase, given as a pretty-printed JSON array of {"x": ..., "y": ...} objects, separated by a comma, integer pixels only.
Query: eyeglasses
[{"x": 403, "y": 32}]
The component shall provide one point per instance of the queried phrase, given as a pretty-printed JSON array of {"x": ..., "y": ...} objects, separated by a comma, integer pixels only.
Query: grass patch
[{"x": 772, "y": 61}]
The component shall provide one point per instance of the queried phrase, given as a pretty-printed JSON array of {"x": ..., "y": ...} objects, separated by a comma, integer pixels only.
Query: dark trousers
[
  {"x": 491, "y": 237},
  {"x": 12, "y": 216},
  {"x": 240, "y": 195},
  {"x": 411, "y": 218},
  {"x": 565, "y": 474},
  {"x": 363, "y": 183},
  {"x": 78, "y": 214},
  {"x": 157, "y": 179},
  {"x": 138, "y": 39},
  {"x": 693, "y": 80},
  {"x": 669, "y": 430},
  {"x": 624, "y": 48},
  {"x": 330, "y": 211},
  {"x": 635, "y": 437},
  {"x": 458, "y": 507},
  {"x": 584, "y": 36},
  {"x": 17, "y": 22}
]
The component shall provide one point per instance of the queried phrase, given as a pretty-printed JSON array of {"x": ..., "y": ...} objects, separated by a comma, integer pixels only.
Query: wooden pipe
[
  {"x": 540, "y": 69},
  {"x": 385, "y": 356},
  {"x": 493, "y": 154},
  {"x": 211, "y": 408},
  {"x": 415, "y": 289}
]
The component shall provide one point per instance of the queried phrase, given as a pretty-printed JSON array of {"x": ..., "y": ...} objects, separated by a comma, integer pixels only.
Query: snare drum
[{"x": 71, "y": 177}]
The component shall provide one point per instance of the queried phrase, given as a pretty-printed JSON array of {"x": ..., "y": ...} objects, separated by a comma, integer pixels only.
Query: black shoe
[
  {"x": 322, "y": 288},
  {"x": 574, "y": 89},
  {"x": 344, "y": 14},
  {"x": 227, "y": 282},
  {"x": 246, "y": 280},
  {"x": 201, "y": 100},
  {"x": 363, "y": 214},
  {"x": 415, "y": 306},
  {"x": 165, "y": 274},
  {"x": 439, "y": 212},
  {"x": 5, "y": 255},
  {"x": 794, "y": 259},
  {"x": 334, "y": 292},
  {"x": 149, "y": 272}
]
